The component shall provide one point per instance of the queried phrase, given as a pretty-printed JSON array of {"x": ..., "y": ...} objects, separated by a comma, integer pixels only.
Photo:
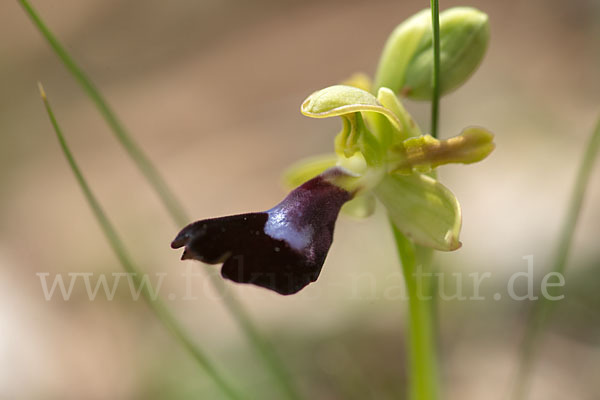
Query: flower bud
[
  {"x": 464, "y": 36},
  {"x": 399, "y": 49},
  {"x": 406, "y": 64}
]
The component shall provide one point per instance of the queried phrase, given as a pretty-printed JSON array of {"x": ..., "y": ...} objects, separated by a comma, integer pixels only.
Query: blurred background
[{"x": 211, "y": 90}]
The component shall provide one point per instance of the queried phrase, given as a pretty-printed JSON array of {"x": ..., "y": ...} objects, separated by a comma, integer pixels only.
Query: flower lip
[{"x": 282, "y": 249}]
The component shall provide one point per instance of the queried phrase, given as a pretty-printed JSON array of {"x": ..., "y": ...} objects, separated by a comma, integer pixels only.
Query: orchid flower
[
  {"x": 380, "y": 154},
  {"x": 284, "y": 248}
]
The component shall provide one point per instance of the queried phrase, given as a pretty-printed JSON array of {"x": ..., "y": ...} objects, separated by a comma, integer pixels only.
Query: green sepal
[
  {"x": 422, "y": 209},
  {"x": 339, "y": 100}
]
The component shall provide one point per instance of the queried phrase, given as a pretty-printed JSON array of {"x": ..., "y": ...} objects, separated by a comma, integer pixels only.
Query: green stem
[
  {"x": 422, "y": 358},
  {"x": 170, "y": 201},
  {"x": 156, "y": 305},
  {"x": 543, "y": 308},
  {"x": 418, "y": 273},
  {"x": 435, "y": 98}
]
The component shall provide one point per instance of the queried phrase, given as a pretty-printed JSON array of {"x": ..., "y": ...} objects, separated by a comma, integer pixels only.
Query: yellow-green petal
[
  {"x": 388, "y": 99},
  {"x": 422, "y": 209},
  {"x": 424, "y": 153}
]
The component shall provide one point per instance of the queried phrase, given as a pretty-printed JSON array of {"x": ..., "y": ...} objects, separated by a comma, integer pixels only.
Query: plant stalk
[
  {"x": 435, "y": 98},
  {"x": 418, "y": 273},
  {"x": 422, "y": 354}
]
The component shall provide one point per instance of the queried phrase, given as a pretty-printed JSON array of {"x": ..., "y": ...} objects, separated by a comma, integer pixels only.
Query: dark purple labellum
[{"x": 282, "y": 249}]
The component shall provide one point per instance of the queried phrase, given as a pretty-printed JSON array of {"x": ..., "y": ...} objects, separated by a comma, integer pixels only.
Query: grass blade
[
  {"x": 156, "y": 305},
  {"x": 133, "y": 150},
  {"x": 542, "y": 310},
  {"x": 170, "y": 201}
]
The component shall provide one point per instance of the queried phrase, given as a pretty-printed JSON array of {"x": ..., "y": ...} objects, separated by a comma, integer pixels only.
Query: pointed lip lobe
[{"x": 181, "y": 240}]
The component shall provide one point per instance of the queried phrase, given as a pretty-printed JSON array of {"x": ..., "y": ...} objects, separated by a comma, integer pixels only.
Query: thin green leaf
[
  {"x": 146, "y": 166},
  {"x": 169, "y": 200},
  {"x": 541, "y": 312},
  {"x": 156, "y": 305}
]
